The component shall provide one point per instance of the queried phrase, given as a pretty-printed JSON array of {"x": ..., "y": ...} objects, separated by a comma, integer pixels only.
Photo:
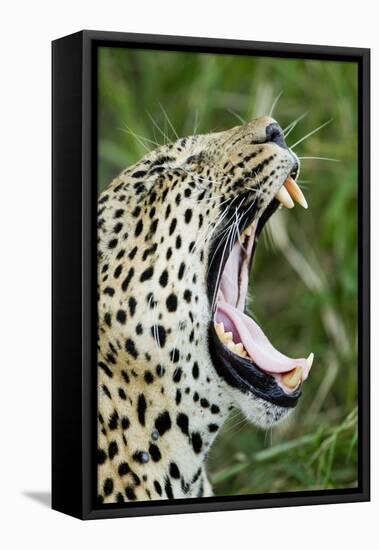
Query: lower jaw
[{"x": 243, "y": 375}]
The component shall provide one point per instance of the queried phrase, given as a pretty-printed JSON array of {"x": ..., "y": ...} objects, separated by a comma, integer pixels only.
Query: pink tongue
[{"x": 256, "y": 343}]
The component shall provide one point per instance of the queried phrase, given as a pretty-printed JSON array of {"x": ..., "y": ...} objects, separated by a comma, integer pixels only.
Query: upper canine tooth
[
  {"x": 292, "y": 378},
  {"x": 295, "y": 192},
  {"x": 284, "y": 197},
  {"x": 310, "y": 359}
]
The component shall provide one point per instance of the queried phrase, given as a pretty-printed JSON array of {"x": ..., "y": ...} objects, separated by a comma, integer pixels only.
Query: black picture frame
[{"x": 74, "y": 151}]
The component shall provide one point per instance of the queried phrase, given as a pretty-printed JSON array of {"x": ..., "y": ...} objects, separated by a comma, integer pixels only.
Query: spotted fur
[{"x": 160, "y": 400}]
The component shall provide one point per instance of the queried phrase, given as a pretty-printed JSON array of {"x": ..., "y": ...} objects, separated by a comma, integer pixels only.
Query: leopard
[{"x": 177, "y": 350}]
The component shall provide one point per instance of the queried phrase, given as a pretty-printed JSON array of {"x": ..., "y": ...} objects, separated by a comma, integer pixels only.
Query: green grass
[{"x": 304, "y": 283}]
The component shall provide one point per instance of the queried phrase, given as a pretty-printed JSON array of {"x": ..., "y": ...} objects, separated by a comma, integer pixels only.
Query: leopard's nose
[{"x": 274, "y": 134}]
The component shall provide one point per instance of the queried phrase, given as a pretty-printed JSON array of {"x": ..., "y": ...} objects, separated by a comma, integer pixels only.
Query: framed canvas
[{"x": 210, "y": 275}]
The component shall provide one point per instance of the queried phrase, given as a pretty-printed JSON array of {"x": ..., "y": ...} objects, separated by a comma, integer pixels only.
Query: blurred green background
[{"x": 304, "y": 283}]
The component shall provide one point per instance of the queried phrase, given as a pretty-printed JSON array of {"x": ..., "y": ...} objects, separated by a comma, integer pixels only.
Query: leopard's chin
[{"x": 241, "y": 353}]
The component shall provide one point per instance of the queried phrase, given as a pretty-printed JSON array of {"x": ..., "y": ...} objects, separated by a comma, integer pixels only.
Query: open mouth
[{"x": 241, "y": 352}]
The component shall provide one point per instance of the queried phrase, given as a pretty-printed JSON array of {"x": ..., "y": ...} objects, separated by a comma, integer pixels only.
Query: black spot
[
  {"x": 168, "y": 253},
  {"x": 108, "y": 290},
  {"x": 112, "y": 243},
  {"x": 168, "y": 488},
  {"x": 125, "y": 376},
  {"x": 128, "y": 278},
  {"x": 141, "y": 409},
  {"x": 113, "y": 421},
  {"x": 132, "y": 305},
  {"x": 125, "y": 422},
  {"x": 106, "y": 369},
  {"x": 106, "y": 391},
  {"x": 121, "y": 316},
  {"x": 133, "y": 252},
  {"x": 117, "y": 271},
  {"x": 112, "y": 449},
  {"x": 213, "y": 427},
  {"x": 158, "y": 487},
  {"x": 172, "y": 226},
  {"x": 215, "y": 409},
  {"x": 120, "y": 498},
  {"x": 130, "y": 493},
  {"x": 163, "y": 423},
  {"x": 147, "y": 274},
  {"x": 139, "y": 329},
  {"x": 182, "y": 422},
  {"x": 139, "y": 228},
  {"x": 200, "y": 491},
  {"x": 187, "y": 295},
  {"x": 139, "y": 174},
  {"x": 196, "y": 396},
  {"x": 160, "y": 370},
  {"x": 108, "y": 486},
  {"x": 197, "y": 442},
  {"x": 148, "y": 377},
  {"x": 178, "y": 242},
  {"x": 158, "y": 332},
  {"x": 117, "y": 228},
  {"x": 196, "y": 476},
  {"x": 130, "y": 348},
  {"x": 118, "y": 213},
  {"x": 123, "y": 469},
  {"x": 163, "y": 279},
  {"x": 178, "y": 397},
  {"x": 181, "y": 270},
  {"x": 177, "y": 375},
  {"x": 172, "y": 302},
  {"x": 195, "y": 370},
  {"x": 149, "y": 251},
  {"x": 204, "y": 403},
  {"x": 122, "y": 394},
  {"x": 101, "y": 456},
  {"x": 175, "y": 355},
  {"x": 174, "y": 470},
  {"x": 188, "y": 215},
  {"x": 108, "y": 319},
  {"x": 155, "y": 452}
]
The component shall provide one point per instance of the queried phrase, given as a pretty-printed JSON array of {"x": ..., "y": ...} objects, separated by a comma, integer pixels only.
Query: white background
[{"x": 26, "y": 31}]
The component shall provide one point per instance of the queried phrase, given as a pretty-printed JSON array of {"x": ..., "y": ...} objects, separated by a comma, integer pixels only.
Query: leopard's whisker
[
  {"x": 310, "y": 133},
  {"x": 237, "y": 116},
  {"x": 288, "y": 129},
  {"x": 165, "y": 136},
  {"x": 275, "y": 102},
  {"x": 196, "y": 121},
  {"x": 131, "y": 132},
  {"x": 168, "y": 119},
  {"x": 320, "y": 158}
]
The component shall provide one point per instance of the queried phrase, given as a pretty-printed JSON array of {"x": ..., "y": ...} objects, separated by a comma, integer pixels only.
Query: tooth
[
  {"x": 230, "y": 346},
  {"x": 240, "y": 350},
  {"x": 295, "y": 192},
  {"x": 310, "y": 359},
  {"x": 219, "y": 327},
  {"x": 229, "y": 336},
  {"x": 291, "y": 379},
  {"x": 284, "y": 197}
]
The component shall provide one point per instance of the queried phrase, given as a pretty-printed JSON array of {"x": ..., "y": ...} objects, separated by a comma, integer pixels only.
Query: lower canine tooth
[
  {"x": 291, "y": 379},
  {"x": 284, "y": 197},
  {"x": 229, "y": 336}
]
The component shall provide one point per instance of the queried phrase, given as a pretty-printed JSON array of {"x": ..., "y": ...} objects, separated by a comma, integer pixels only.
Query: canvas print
[{"x": 227, "y": 275}]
